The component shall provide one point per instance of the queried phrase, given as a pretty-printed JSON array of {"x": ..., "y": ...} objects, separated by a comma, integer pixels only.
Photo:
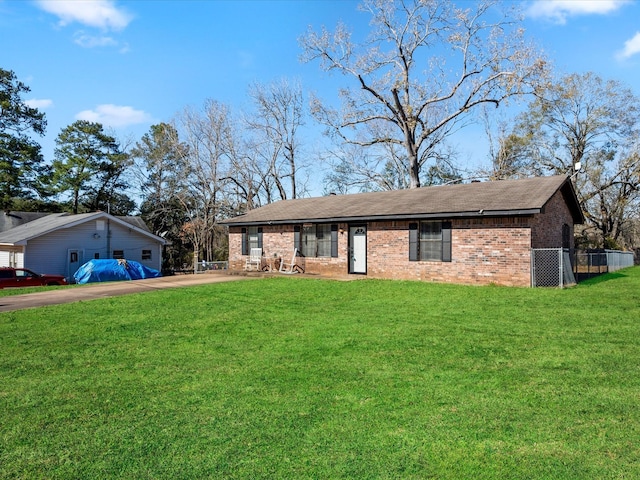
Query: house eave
[
  {"x": 74, "y": 222},
  {"x": 387, "y": 218}
]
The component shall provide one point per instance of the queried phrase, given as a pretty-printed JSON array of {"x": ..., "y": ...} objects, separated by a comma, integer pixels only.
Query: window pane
[
  {"x": 309, "y": 243},
  {"x": 316, "y": 241},
  {"x": 323, "y": 234},
  {"x": 431, "y": 231},
  {"x": 252, "y": 238},
  {"x": 431, "y": 250},
  {"x": 431, "y": 241}
]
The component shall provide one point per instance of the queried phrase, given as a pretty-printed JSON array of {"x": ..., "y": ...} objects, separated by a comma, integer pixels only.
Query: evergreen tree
[
  {"x": 21, "y": 163},
  {"x": 88, "y": 165}
]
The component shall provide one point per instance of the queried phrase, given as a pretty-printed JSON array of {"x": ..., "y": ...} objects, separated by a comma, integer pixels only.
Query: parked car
[{"x": 23, "y": 277}]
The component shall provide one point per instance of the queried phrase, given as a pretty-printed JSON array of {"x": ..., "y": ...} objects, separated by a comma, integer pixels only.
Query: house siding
[
  {"x": 11, "y": 256},
  {"x": 50, "y": 253}
]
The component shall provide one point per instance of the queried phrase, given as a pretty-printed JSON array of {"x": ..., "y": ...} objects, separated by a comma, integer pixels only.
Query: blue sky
[{"x": 130, "y": 64}]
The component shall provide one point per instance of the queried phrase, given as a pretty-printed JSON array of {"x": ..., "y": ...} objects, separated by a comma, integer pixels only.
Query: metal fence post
[{"x": 560, "y": 263}]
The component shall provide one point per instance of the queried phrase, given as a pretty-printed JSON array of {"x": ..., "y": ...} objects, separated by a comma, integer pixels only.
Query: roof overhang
[
  {"x": 571, "y": 198},
  {"x": 389, "y": 218}
]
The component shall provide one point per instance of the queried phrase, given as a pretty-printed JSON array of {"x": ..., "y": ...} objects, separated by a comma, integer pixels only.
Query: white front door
[{"x": 358, "y": 249}]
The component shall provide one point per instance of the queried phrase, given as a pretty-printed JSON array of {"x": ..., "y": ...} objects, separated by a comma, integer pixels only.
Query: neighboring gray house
[
  {"x": 59, "y": 243},
  {"x": 10, "y": 220}
]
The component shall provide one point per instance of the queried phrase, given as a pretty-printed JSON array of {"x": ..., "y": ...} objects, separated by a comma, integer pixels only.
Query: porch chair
[
  {"x": 254, "y": 260},
  {"x": 290, "y": 267}
]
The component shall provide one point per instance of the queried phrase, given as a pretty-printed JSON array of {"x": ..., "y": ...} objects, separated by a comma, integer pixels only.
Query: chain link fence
[
  {"x": 205, "y": 266},
  {"x": 590, "y": 263},
  {"x": 558, "y": 267},
  {"x": 551, "y": 267}
]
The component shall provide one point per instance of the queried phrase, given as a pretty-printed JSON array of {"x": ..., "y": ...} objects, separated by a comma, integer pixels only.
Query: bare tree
[
  {"x": 509, "y": 155},
  {"x": 383, "y": 168},
  {"x": 425, "y": 66},
  {"x": 583, "y": 119},
  {"x": 278, "y": 116},
  {"x": 609, "y": 192},
  {"x": 160, "y": 171},
  {"x": 207, "y": 134},
  {"x": 245, "y": 178}
]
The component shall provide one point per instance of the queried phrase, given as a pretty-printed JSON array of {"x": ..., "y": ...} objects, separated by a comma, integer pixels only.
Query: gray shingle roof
[
  {"x": 55, "y": 221},
  {"x": 505, "y": 197},
  {"x": 12, "y": 219}
]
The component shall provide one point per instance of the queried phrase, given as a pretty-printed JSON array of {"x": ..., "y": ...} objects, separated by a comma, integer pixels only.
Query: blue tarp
[{"x": 112, "y": 270}]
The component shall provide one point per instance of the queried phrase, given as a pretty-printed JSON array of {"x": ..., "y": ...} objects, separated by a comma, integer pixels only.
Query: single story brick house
[{"x": 474, "y": 233}]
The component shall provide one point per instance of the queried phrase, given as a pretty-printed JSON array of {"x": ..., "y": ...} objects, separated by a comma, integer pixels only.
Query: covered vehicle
[
  {"x": 112, "y": 270},
  {"x": 23, "y": 277}
]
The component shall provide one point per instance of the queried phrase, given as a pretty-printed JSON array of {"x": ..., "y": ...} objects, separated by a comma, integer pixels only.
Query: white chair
[
  {"x": 291, "y": 267},
  {"x": 254, "y": 260}
]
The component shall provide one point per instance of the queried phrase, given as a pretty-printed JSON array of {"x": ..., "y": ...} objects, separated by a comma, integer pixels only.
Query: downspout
[{"x": 109, "y": 239}]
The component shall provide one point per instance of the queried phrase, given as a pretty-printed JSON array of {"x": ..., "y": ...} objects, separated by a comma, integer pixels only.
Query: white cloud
[
  {"x": 631, "y": 47},
  {"x": 114, "y": 115},
  {"x": 90, "y": 41},
  {"x": 102, "y": 14},
  {"x": 39, "y": 103},
  {"x": 559, "y": 10}
]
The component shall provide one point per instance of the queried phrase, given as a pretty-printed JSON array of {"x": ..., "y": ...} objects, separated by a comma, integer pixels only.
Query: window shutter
[
  {"x": 296, "y": 237},
  {"x": 566, "y": 236},
  {"x": 334, "y": 241},
  {"x": 245, "y": 248},
  {"x": 446, "y": 241},
  {"x": 413, "y": 242},
  {"x": 259, "y": 237}
]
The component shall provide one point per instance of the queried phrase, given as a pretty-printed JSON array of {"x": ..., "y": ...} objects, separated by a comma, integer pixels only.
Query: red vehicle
[{"x": 22, "y": 277}]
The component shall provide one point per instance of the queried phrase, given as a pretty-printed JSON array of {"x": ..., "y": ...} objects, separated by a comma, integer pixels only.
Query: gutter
[{"x": 383, "y": 218}]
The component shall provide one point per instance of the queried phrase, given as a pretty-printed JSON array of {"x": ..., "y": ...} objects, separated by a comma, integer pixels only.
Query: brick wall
[
  {"x": 277, "y": 241},
  {"x": 547, "y": 227},
  {"x": 484, "y": 250}
]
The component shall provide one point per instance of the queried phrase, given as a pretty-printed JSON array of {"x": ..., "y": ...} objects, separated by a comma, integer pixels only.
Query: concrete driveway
[{"x": 92, "y": 291}]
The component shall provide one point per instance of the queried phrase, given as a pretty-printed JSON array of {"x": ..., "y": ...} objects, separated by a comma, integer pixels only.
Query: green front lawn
[
  {"x": 301, "y": 378},
  {"x": 5, "y": 292}
]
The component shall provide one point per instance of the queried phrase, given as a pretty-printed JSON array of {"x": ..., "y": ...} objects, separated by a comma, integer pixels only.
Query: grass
[
  {"x": 301, "y": 378},
  {"x": 5, "y": 292}
]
